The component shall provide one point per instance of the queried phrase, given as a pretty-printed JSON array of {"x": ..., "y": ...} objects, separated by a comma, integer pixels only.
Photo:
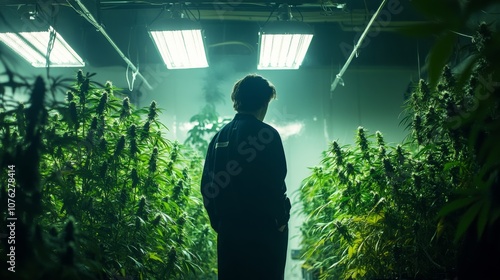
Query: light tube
[
  {"x": 283, "y": 51},
  {"x": 181, "y": 49},
  {"x": 32, "y": 46}
]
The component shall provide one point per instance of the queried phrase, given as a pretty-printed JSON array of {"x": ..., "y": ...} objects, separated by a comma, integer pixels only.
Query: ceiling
[{"x": 231, "y": 28}]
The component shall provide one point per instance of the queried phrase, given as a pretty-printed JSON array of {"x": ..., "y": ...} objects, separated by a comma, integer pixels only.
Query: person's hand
[{"x": 282, "y": 228}]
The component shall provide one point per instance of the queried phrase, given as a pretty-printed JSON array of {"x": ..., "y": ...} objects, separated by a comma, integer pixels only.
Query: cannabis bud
[
  {"x": 126, "y": 109},
  {"x": 102, "y": 103},
  {"x": 380, "y": 138},
  {"x": 141, "y": 207},
  {"x": 152, "y": 111},
  {"x": 93, "y": 124},
  {"x": 135, "y": 178},
  {"x": 152, "y": 160},
  {"x": 109, "y": 86},
  {"x": 120, "y": 146},
  {"x": 156, "y": 221},
  {"x": 424, "y": 89},
  {"x": 69, "y": 96},
  {"x": 79, "y": 77},
  {"x": 103, "y": 144},
  {"x": 176, "y": 192},
  {"x": 337, "y": 152},
  {"x": 133, "y": 148},
  {"x": 104, "y": 169},
  {"x": 362, "y": 141},
  {"x": 73, "y": 114},
  {"x": 400, "y": 154},
  {"x": 69, "y": 231},
  {"x": 175, "y": 151},
  {"x": 132, "y": 131}
]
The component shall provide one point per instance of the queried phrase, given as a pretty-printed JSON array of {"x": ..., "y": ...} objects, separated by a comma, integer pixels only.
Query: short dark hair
[{"x": 252, "y": 93}]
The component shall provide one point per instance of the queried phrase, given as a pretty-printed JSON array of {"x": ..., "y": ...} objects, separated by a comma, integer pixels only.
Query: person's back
[{"x": 244, "y": 190}]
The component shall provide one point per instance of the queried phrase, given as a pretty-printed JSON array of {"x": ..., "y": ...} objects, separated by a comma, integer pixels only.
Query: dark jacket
[{"x": 243, "y": 182}]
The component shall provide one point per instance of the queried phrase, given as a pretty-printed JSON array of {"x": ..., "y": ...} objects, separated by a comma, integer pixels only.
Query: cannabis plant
[
  {"x": 470, "y": 100},
  {"x": 122, "y": 198},
  {"x": 372, "y": 212},
  {"x": 427, "y": 208}
]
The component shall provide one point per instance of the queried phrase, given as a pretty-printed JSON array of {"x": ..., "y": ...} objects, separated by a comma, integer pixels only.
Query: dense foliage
[
  {"x": 372, "y": 212},
  {"x": 428, "y": 207},
  {"x": 100, "y": 192}
]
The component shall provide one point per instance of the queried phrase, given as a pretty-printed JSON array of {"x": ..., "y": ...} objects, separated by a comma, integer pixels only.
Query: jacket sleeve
[
  {"x": 276, "y": 173},
  {"x": 209, "y": 190}
]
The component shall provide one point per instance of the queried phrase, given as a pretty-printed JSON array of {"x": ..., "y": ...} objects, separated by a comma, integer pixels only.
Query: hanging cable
[
  {"x": 134, "y": 75},
  {"x": 338, "y": 78},
  {"x": 464, "y": 35},
  {"x": 92, "y": 21},
  {"x": 52, "y": 39}
]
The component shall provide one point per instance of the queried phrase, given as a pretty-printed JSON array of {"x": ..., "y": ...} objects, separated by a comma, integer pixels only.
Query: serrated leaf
[
  {"x": 456, "y": 205},
  {"x": 467, "y": 219},
  {"x": 155, "y": 257},
  {"x": 483, "y": 217},
  {"x": 439, "y": 56}
]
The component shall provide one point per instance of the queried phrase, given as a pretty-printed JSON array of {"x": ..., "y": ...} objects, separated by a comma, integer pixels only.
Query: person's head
[{"x": 252, "y": 94}]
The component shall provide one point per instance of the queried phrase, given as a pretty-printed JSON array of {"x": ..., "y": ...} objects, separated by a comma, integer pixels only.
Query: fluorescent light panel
[
  {"x": 283, "y": 51},
  {"x": 181, "y": 49},
  {"x": 62, "y": 55}
]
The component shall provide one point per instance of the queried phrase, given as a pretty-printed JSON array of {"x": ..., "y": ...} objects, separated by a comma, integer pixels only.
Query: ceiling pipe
[
  {"x": 338, "y": 78},
  {"x": 93, "y": 21}
]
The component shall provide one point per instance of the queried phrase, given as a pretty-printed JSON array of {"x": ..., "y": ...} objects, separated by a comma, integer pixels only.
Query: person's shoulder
[
  {"x": 268, "y": 126},
  {"x": 269, "y": 130}
]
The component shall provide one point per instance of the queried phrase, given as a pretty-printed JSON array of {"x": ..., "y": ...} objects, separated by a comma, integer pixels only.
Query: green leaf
[
  {"x": 456, "y": 205},
  {"x": 467, "y": 219},
  {"x": 495, "y": 215},
  {"x": 452, "y": 164},
  {"x": 439, "y": 56},
  {"x": 155, "y": 257},
  {"x": 483, "y": 217},
  {"x": 137, "y": 264}
]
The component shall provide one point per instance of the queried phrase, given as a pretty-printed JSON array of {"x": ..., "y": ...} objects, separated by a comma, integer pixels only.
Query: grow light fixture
[
  {"x": 180, "y": 43},
  {"x": 284, "y": 44},
  {"x": 32, "y": 46}
]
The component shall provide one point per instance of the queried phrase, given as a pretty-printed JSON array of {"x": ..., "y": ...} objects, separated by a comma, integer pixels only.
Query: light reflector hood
[
  {"x": 180, "y": 43},
  {"x": 32, "y": 46},
  {"x": 283, "y": 45}
]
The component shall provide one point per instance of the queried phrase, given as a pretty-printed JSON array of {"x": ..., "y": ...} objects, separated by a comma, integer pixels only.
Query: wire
[
  {"x": 269, "y": 17},
  {"x": 300, "y": 13},
  {"x": 134, "y": 75},
  {"x": 464, "y": 35},
  {"x": 92, "y": 21},
  {"x": 159, "y": 14},
  {"x": 366, "y": 10},
  {"x": 52, "y": 39},
  {"x": 50, "y": 47},
  {"x": 248, "y": 46},
  {"x": 490, "y": 13},
  {"x": 189, "y": 10}
]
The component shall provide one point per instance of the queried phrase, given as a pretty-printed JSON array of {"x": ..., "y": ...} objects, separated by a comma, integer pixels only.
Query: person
[{"x": 244, "y": 191}]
